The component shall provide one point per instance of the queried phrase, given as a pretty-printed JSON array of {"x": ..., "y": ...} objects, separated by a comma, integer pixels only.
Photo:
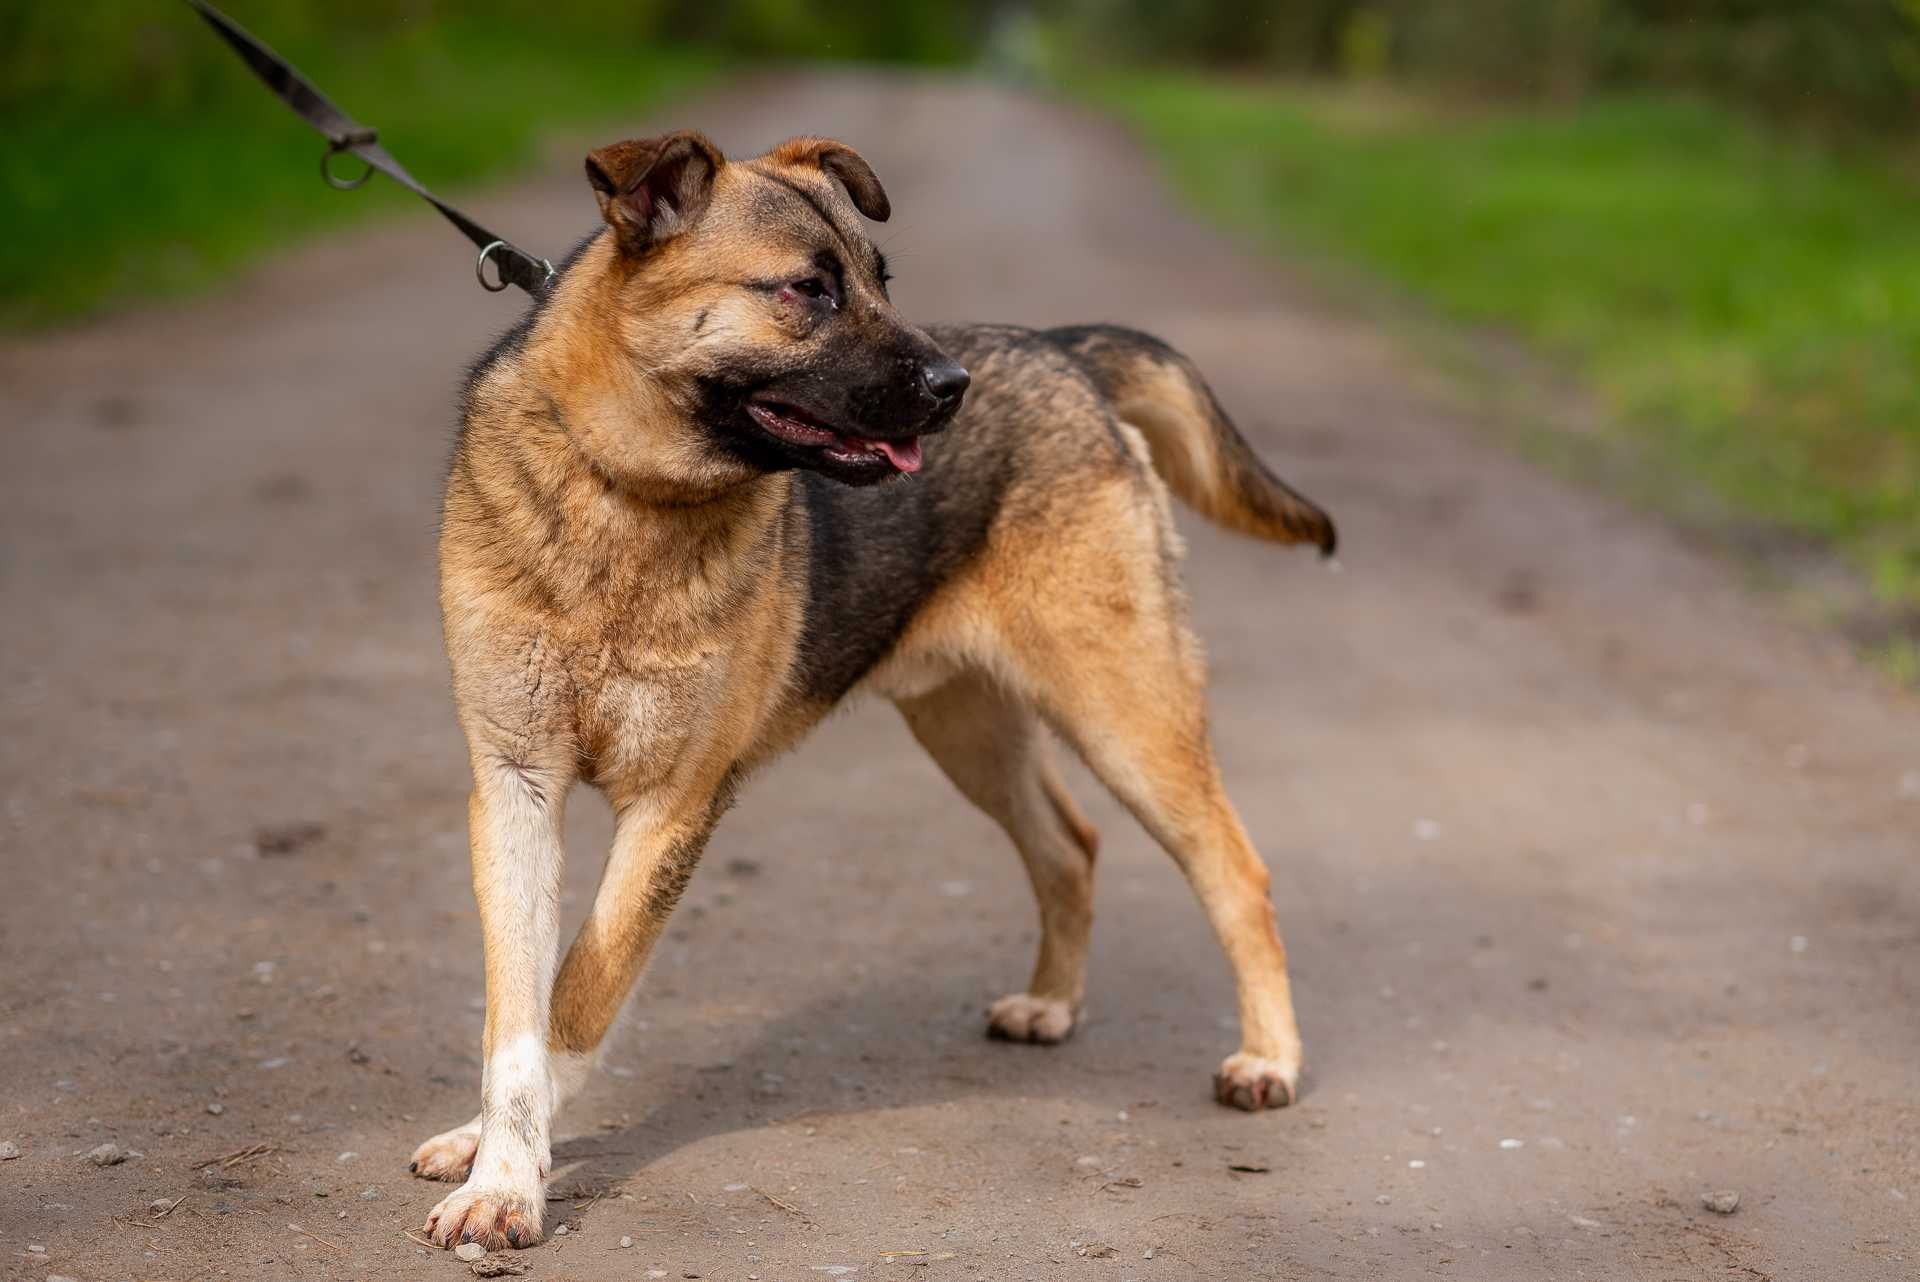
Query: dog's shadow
[{"x": 898, "y": 1042}]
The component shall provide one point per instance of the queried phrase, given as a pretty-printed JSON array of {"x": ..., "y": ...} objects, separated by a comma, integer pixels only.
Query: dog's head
[{"x": 747, "y": 308}]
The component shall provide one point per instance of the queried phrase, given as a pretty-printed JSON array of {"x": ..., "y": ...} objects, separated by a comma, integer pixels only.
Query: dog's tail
[{"x": 1196, "y": 448}]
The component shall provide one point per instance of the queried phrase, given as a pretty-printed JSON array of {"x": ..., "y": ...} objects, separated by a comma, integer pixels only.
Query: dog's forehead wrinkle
[{"x": 826, "y": 203}]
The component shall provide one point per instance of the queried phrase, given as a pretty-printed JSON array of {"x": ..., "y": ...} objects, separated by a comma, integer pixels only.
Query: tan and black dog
[{"x": 666, "y": 554}]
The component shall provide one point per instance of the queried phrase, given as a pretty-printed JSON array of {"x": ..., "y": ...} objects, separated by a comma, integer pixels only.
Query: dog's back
[{"x": 1050, "y": 418}]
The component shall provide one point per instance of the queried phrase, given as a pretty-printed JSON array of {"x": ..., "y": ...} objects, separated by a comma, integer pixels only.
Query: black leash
[{"x": 515, "y": 265}]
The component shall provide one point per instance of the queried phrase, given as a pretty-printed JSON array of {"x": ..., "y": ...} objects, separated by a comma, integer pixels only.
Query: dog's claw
[
  {"x": 493, "y": 1218},
  {"x": 1252, "y": 1083},
  {"x": 447, "y": 1156},
  {"x": 1022, "y": 1017}
]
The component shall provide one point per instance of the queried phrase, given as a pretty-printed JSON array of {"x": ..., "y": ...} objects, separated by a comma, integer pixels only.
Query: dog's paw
[
  {"x": 496, "y": 1218},
  {"x": 1252, "y": 1083},
  {"x": 449, "y": 1155},
  {"x": 1022, "y": 1017}
]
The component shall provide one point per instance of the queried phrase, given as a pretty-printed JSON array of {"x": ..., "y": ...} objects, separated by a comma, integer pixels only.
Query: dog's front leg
[
  {"x": 656, "y": 845},
  {"x": 514, "y": 819}
]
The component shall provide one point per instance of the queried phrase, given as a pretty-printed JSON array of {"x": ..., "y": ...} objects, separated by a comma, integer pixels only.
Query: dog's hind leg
[
  {"x": 1132, "y": 703},
  {"x": 995, "y": 750},
  {"x": 1092, "y": 628}
]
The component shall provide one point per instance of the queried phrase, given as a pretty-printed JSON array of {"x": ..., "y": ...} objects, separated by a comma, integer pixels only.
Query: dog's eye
[{"x": 812, "y": 287}]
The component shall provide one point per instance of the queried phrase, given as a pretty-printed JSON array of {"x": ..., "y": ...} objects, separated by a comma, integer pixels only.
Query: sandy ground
[{"x": 1599, "y": 880}]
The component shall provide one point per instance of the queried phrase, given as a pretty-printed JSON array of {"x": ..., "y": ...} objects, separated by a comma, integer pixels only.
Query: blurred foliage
[
  {"x": 1846, "y": 62},
  {"x": 166, "y": 180},
  {"x": 143, "y": 160},
  {"x": 157, "y": 55},
  {"x": 1746, "y": 305},
  {"x": 1855, "y": 62},
  {"x": 919, "y": 31}
]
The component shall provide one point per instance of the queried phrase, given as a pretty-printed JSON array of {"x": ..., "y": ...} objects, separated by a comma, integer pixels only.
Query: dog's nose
[{"x": 945, "y": 380}]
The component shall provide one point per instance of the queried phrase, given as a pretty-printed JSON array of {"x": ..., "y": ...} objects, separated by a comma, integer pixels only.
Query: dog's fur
[{"x": 647, "y": 588}]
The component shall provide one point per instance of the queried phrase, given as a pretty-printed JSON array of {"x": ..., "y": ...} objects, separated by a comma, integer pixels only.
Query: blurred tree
[
  {"x": 115, "y": 53},
  {"x": 1846, "y": 61},
  {"x": 1854, "y": 62}
]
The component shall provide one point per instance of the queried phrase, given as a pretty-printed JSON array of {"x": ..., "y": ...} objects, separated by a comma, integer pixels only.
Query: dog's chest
[{"x": 649, "y": 714}]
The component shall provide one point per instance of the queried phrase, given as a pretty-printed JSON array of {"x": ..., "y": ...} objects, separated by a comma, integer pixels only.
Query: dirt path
[{"x": 1599, "y": 882}]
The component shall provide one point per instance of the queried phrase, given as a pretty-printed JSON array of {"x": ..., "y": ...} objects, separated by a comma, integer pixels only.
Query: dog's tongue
[{"x": 904, "y": 455}]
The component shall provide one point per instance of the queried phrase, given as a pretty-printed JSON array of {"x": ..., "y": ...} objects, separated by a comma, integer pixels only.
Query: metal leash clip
[
  {"x": 347, "y": 143},
  {"x": 495, "y": 286},
  {"x": 511, "y": 264},
  {"x": 480, "y": 268}
]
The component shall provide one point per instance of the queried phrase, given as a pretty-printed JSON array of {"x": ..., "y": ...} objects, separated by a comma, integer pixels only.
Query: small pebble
[
  {"x": 370, "y": 1194},
  {"x": 216, "y": 1108},
  {"x": 1513, "y": 1143},
  {"x": 160, "y": 1205},
  {"x": 1724, "y": 1202},
  {"x": 626, "y": 1241},
  {"x": 469, "y": 1251},
  {"x": 562, "y": 1231},
  {"x": 347, "y": 1156},
  {"x": 1384, "y": 1199},
  {"x": 8, "y": 1150},
  {"x": 36, "y": 1248},
  {"x": 1416, "y": 1164},
  {"x": 107, "y": 1155}
]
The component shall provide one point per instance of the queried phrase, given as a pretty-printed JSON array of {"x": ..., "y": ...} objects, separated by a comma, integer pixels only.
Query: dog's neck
[{"x": 570, "y": 532}]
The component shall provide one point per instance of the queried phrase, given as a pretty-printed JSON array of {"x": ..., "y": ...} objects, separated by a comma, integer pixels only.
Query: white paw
[
  {"x": 1022, "y": 1017},
  {"x": 495, "y": 1217},
  {"x": 1252, "y": 1083},
  {"x": 449, "y": 1155}
]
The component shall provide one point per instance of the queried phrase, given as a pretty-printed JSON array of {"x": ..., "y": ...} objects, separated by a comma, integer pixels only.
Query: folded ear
[
  {"x": 844, "y": 163},
  {"x": 650, "y": 189}
]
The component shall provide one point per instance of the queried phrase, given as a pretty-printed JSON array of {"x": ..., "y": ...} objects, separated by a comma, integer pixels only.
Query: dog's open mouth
[{"x": 796, "y": 427}]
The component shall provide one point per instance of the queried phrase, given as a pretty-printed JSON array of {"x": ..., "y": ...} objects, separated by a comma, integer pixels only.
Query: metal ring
[
  {"x": 480, "y": 268},
  {"x": 341, "y": 184}
]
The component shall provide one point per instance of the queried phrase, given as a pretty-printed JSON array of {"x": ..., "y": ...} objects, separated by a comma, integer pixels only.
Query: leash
[{"x": 515, "y": 266}]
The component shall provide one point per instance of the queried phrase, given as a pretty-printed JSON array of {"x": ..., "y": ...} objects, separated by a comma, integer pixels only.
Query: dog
[{"x": 712, "y": 485}]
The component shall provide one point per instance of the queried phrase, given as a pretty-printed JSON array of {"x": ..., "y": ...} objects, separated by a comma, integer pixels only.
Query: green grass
[
  {"x": 107, "y": 204},
  {"x": 1746, "y": 306}
]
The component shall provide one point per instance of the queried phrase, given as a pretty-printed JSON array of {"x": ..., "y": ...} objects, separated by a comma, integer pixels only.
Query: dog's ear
[
  {"x": 651, "y": 189},
  {"x": 840, "y": 161}
]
